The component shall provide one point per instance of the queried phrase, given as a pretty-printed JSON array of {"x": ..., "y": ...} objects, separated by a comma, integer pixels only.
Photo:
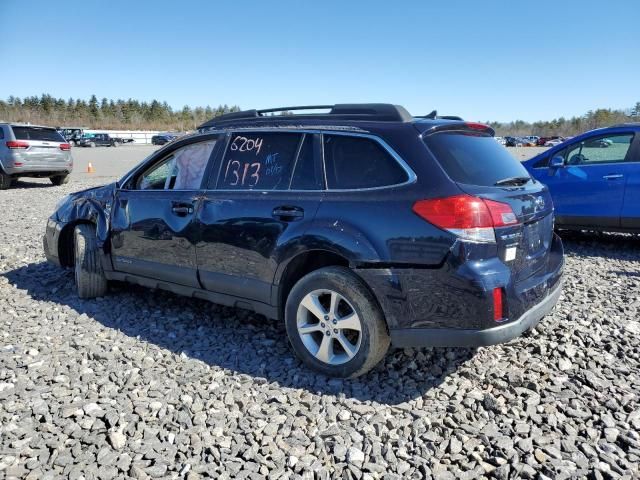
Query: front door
[
  {"x": 255, "y": 208},
  {"x": 152, "y": 224},
  {"x": 589, "y": 188}
]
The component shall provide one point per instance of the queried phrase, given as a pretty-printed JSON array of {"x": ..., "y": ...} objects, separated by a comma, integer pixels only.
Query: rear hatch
[
  {"x": 482, "y": 168},
  {"x": 43, "y": 146}
]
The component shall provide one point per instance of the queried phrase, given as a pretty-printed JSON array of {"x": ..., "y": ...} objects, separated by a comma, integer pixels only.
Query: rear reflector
[
  {"x": 17, "y": 145},
  {"x": 498, "y": 307},
  {"x": 65, "y": 146},
  {"x": 468, "y": 217}
]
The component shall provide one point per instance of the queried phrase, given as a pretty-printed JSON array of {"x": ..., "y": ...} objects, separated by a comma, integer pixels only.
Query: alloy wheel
[{"x": 329, "y": 327}]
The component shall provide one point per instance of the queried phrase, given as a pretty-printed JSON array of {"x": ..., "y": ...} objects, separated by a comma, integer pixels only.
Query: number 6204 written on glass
[{"x": 243, "y": 174}]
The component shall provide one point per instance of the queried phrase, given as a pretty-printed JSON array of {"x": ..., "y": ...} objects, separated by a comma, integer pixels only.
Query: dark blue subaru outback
[{"x": 360, "y": 227}]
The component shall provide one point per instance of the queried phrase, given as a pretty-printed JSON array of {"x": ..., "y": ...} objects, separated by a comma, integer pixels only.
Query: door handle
[
  {"x": 612, "y": 176},
  {"x": 288, "y": 213},
  {"x": 182, "y": 210}
]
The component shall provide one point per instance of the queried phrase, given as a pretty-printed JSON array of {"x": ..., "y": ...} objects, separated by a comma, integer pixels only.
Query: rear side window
[
  {"x": 359, "y": 162},
  {"x": 473, "y": 158},
  {"x": 37, "y": 133},
  {"x": 259, "y": 161}
]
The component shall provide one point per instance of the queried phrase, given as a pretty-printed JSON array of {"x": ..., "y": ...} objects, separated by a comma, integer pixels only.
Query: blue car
[{"x": 594, "y": 179}]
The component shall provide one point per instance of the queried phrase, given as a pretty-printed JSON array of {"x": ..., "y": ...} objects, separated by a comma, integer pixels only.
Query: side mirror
[{"x": 556, "y": 162}]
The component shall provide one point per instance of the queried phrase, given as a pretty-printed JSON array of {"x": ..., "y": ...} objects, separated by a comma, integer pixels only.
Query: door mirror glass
[{"x": 556, "y": 162}]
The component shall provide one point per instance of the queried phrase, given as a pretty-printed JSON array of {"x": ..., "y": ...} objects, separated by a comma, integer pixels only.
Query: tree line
[
  {"x": 567, "y": 127},
  {"x": 106, "y": 113},
  {"x": 155, "y": 115}
]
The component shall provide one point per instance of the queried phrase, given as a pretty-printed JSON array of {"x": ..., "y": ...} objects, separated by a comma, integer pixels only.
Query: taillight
[
  {"x": 65, "y": 146},
  {"x": 498, "y": 305},
  {"x": 468, "y": 217},
  {"x": 17, "y": 145}
]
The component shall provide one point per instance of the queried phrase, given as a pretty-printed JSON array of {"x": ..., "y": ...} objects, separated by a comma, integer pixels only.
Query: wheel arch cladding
[{"x": 300, "y": 265}]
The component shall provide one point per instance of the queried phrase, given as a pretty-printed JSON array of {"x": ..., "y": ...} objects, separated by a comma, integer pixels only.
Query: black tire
[
  {"x": 114, "y": 144},
  {"x": 90, "y": 279},
  {"x": 5, "y": 181},
  {"x": 60, "y": 179},
  {"x": 92, "y": 144},
  {"x": 374, "y": 338}
]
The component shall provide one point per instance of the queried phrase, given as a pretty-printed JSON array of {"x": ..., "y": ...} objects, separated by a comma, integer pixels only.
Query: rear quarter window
[
  {"x": 359, "y": 162},
  {"x": 473, "y": 158},
  {"x": 37, "y": 133}
]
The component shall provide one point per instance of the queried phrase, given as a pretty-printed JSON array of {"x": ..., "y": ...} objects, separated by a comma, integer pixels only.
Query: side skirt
[{"x": 268, "y": 311}]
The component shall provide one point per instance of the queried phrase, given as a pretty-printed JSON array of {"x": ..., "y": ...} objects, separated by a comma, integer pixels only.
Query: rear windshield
[
  {"x": 36, "y": 133},
  {"x": 473, "y": 158}
]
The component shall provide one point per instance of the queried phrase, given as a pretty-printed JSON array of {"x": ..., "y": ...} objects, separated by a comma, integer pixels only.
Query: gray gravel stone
[{"x": 143, "y": 383}]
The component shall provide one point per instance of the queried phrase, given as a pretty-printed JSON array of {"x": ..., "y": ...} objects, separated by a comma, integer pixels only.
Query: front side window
[
  {"x": 258, "y": 161},
  {"x": 598, "y": 150},
  {"x": 183, "y": 169},
  {"x": 358, "y": 162}
]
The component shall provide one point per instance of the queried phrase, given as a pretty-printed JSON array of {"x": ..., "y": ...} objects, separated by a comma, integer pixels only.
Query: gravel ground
[{"x": 150, "y": 385}]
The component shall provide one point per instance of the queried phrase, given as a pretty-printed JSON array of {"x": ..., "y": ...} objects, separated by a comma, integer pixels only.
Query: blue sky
[{"x": 491, "y": 60}]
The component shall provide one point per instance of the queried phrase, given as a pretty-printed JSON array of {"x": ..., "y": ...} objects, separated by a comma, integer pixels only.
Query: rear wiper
[{"x": 512, "y": 181}]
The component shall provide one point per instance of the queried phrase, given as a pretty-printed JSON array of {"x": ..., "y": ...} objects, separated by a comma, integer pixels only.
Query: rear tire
[
  {"x": 346, "y": 334},
  {"x": 5, "y": 181},
  {"x": 60, "y": 179},
  {"x": 89, "y": 276}
]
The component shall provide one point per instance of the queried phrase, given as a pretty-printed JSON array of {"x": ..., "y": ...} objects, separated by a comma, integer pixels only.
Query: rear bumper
[
  {"x": 453, "y": 337},
  {"x": 452, "y": 305}
]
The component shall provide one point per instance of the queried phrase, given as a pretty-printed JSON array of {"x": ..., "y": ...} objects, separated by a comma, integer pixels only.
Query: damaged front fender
[{"x": 93, "y": 205}]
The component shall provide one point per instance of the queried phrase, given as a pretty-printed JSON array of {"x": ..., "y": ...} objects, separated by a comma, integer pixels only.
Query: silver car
[{"x": 33, "y": 151}]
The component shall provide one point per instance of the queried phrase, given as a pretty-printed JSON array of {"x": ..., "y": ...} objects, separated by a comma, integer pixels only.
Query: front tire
[
  {"x": 335, "y": 324},
  {"x": 92, "y": 144},
  {"x": 89, "y": 276},
  {"x": 60, "y": 179},
  {"x": 5, "y": 181}
]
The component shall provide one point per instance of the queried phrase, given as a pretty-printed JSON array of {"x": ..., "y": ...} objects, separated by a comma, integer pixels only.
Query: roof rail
[{"x": 380, "y": 112}]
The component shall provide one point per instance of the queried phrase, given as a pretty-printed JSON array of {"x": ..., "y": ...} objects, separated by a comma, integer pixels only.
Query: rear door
[
  {"x": 262, "y": 195},
  {"x": 152, "y": 223},
  {"x": 44, "y": 147},
  {"x": 589, "y": 190}
]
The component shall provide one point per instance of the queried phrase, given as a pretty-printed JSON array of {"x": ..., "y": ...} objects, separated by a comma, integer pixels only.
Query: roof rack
[{"x": 379, "y": 112}]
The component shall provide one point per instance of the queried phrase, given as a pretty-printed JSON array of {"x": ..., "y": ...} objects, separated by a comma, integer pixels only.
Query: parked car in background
[
  {"x": 532, "y": 140},
  {"x": 358, "y": 228},
  {"x": 554, "y": 142},
  {"x": 71, "y": 134},
  {"x": 501, "y": 140},
  {"x": 594, "y": 179},
  {"x": 541, "y": 142},
  {"x": 98, "y": 140},
  {"x": 163, "y": 139},
  {"x": 514, "y": 142},
  {"x": 33, "y": 151}
]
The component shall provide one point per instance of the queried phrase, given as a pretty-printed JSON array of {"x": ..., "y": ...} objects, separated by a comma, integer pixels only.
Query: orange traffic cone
[{"x": 90, "y": 168}]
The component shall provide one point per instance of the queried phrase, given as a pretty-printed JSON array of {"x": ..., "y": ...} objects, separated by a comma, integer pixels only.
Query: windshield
[{"x": 473, "y": 158}]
